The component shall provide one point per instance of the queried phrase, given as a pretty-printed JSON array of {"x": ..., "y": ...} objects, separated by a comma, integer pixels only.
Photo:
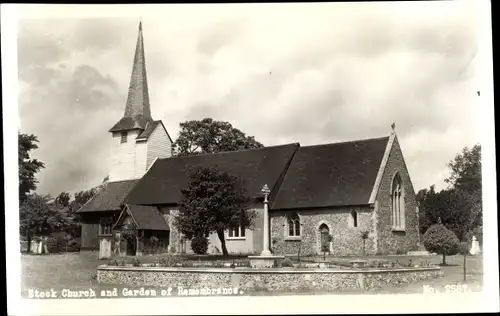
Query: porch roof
[{"x": 145, "y": 217}]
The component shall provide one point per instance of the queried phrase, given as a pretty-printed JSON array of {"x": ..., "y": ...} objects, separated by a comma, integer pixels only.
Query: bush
[
  {"x": 442, "y": 241},
  {"x": 199, "y": 245},
  {"x": 287, "y": 262},
  {"x": 73, "y": 246},
  {"x": 136, "y": 262},
  {"x": 113, "y": 263},
  {"x": 56, "y": 244}
]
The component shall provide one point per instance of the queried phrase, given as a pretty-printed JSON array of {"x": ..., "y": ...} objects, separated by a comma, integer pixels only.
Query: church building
[{"x": 349, "y": 198}]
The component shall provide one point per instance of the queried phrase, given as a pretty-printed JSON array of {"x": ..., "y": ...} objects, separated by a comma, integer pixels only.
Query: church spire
[{"x": 137, "y": 109}]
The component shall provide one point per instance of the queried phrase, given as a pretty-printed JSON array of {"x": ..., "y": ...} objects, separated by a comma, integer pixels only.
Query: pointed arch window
[
  {"x": 293, "y": 225},
  {"x": 397, "y": 203}
]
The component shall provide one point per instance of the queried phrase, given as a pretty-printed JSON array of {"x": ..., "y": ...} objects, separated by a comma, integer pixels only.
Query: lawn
[{"x": 77, "y": 271}]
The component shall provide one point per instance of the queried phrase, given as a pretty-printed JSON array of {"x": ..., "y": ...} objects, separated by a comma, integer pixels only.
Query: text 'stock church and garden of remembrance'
[{"x": 338, "y": 190}]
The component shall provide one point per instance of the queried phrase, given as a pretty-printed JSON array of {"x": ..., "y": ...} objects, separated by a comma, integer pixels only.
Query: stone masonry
[
  {"x": 390, "y": 241},
  {"x": 346, "y": 239}
]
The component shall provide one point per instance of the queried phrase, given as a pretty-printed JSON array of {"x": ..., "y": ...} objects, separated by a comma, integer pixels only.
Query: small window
[
  {"x": 237, "y": 232},
  {"x": 124, "y": 137},
  {"x": 354, "y": 219},
  {"x": 293, "y": 222},
  {"x": 105, "y": 226}
]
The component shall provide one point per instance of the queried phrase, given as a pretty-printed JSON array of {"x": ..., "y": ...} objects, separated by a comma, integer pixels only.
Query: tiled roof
[
  {"x": 127, "y": 123},
  {"x": 163, "y": 182},
  {"x": 331, "y": 175},
  {"x": 109, "y": 198},
  {"x": 148, "y": 217}
]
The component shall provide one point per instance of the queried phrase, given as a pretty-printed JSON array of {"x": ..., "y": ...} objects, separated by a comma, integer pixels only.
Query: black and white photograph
[{"x": 249, "y": 158}]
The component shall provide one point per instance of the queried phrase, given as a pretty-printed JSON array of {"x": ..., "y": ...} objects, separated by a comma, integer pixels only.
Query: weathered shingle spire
[{"x": 137, "y": 109}]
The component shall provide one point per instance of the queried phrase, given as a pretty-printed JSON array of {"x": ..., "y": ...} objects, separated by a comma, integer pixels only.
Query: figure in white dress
[{"x": 474, "y": 250}]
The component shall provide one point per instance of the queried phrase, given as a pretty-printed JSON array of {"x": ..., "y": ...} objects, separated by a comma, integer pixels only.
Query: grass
[{"x": 77, "y": 271}]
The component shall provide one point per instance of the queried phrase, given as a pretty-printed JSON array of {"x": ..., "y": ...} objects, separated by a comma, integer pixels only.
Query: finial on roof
[
  {"x": 393, "y": 127},
  {"x": 140, "y": 23}
]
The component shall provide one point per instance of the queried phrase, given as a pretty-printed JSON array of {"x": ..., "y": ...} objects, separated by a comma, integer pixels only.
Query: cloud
[{"x": 290, "y": 73}]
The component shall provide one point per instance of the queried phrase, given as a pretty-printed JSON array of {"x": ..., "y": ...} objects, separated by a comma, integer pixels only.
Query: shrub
[
  {"x": 286, "y": 263},
  {"x": 199, "y": 245},
  {"x": 56, "y": 244},
  {"x": 442, "y": 241},
  {"x": 113, "y": 263},
  {"x": 136, "y": 262},
  {"x": 122, "y": 263},
  {"x": 73, "y": 246}
]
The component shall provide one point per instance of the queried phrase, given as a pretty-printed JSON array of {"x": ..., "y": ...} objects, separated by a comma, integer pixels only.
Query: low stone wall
[{"x": 274, "y": 279}]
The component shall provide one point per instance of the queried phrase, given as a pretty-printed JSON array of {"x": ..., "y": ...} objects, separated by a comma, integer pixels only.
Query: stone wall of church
[
  {"x": 389, "y": 240},
  {"x": 346, "y": 238}
]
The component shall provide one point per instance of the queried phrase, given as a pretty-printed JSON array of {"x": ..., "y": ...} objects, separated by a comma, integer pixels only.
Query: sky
[{"x": 308, "y": 73}]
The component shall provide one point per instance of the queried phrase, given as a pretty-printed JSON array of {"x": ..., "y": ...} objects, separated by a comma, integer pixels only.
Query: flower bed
[{"x": 287, "y": 279}]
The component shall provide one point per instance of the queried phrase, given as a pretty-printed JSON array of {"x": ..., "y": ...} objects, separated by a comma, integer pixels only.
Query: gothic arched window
[
  {"x": 293, "y": 222},
  {"x": 397, "y": 203}
]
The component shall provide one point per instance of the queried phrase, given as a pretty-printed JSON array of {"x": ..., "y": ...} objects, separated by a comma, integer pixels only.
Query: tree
[
  {"x": 466, "y": 170},
  {"x": 464, "y": 250},
  {"x": 460, "y": 205},
  {"x": 442, "y": 241},
  {"x": 27, "y": 167},
  {"x": 63, "y": 199},
  {"x": 39, "y": 216},
  {"x": 465, "y": 179},
  {"x": 458, "y": 210},
  {"x": 209, "y": 136},
  {"x": 213, "y": 201}
]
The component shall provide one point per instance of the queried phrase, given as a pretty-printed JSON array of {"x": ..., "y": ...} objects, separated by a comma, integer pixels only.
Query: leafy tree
[
  {"x": 465, "y": 178},
  {"x": 213, "y": 201},
  {"x": 460, "y": 205},
  {"x": 39, "y": 216},
  {"x": 466, "y": 170},
  {"x": 27, "y": 167},
  {"x": 442, "y": 241},
  {"x": 209, "y": 136},
  {"x": 63, "y": 199}
]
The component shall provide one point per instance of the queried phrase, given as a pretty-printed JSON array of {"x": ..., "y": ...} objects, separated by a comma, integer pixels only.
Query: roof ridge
[
  {"x": 346, "y": 142},
  {"x": 232, "y": 151}
]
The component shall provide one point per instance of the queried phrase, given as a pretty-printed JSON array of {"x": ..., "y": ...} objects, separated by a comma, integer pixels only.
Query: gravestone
[{"x": 475, "y": 249}]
